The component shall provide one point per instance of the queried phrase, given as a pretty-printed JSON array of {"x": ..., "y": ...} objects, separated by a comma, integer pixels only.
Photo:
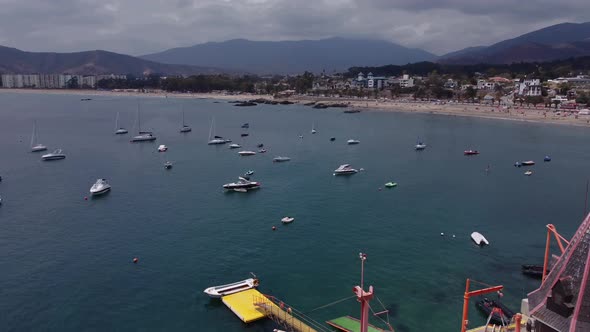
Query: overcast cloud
[{"x": 144, "y": 26}]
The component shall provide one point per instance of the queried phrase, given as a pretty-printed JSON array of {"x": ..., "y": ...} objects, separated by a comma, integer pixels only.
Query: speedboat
[
  {"x": 39, "y": 147},
  {"x": 219, "y": 291},
  {"x": 242, "y": 185},
  {"x": 345, "y": 169},
  {"x": 144, "y": 137},
  {"x": 420, "y": 146},
  {"x": 479, "y": 239},
  {"x": 352, "y": 141},
  {"x": 287, "y": 220},
  {"x": 121, "y": 131},
  {"x": 528, "y": 173},
  {"x": 391, "y": 184},
  {"x": 235, "y": 146},
  {"x": 262, "y": 151},
  {"x": 55, "y": 155},
  {"x": 100, "y": 187},
  {"x": 281, "y": 159},
  {"x": 162, "y": 148},
  {"x": 470, "y": 152},
  {"x": 546, "y": 159},
  {"x": 313, "y": 131},
  {"x": 167, "y": 165},
  {"x": 250, "y": 172},
  {"x": 246, "y": 153},
  {"x": 528, "y": 163}
]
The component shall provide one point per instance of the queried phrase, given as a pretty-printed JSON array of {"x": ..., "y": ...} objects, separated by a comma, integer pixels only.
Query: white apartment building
[{"x": 529, "y": 87}]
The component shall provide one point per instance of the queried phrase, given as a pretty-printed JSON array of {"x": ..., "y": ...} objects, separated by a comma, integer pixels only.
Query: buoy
[
  {"x": 442, "y": 234},
  {"x": 135, "y": 260},
  {"x": 274, "y": 228},
  {"x": 85, "y": 198}
]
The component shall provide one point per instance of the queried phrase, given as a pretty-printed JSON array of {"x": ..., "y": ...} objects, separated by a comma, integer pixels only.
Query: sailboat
[
  {"x": 36, "y": 147},
  {"x": 313, "y": 131},
  {"x": 216, "y": 139},
  {"x": 420, "y": 145},
  {"x": 184, "y": 128},
  {"x": 142, "y": 136},
  {"x": 119, "y": 130}
]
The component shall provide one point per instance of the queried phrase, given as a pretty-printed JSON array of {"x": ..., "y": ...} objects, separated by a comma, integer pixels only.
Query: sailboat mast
[
  {"x": 117, "y": 122},
  {"x": 34, "y": 133},
  {"x": 211, "y": 129},
  {"x": 138, "y": 118}
]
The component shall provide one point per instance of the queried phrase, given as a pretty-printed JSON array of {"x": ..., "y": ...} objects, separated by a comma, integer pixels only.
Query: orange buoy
[
  {"x": 135, "y": 260},
  {"x": 274, "y": 228}
]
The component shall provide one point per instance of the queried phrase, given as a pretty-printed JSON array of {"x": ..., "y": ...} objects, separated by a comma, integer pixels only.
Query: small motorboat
[
  {"x": 528, "y": 163},
  {"x": 300, "y": 136},
  {"x": 420, "y": 146},
  {"x": 101, "y": 186},
  {"x": 246, "y": 125},
  {"x": 246, "y": 153},
  {"x": 219, "y": 291},
  {"x": 470, "y": 152},
  {"x": 241, "y": 185},
  {"x": 391, "y": 184},
  {"x": 528, "y": 173},
  {"x": 502, "y": 317},
  {"x": 262, "y": 151},
  {"x": 167, "y": 165},
  {"x": 313, "y": 131},
  {"x": 162, "y": 148},
  {"x": 352, "y": 142},
  {"x": 38, "y": 148},
  {"x": 287, "y": 220},
  {"x": 121, "y": 131},
  {"x": 345, "y": 169},
  {"x": 281, "y": 159},
  {"x": 332, "y": 139},
  {"x": 244, "y": 134},
  {"x": 479, "y": 239},
  {"x": 260, "y": 145},
  {"x": 250, "y": 172},
  {"x": 547, "y": 159},
  {"x": 235, "y": 146},
  {"x": 535, "y": 271},
  {"x": 55, "y": 155}
]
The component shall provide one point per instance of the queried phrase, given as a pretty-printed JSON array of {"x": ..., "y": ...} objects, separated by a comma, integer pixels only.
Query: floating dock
[
  {"x": 350, "y": 324},
  {"x": 242, "y": 305}
]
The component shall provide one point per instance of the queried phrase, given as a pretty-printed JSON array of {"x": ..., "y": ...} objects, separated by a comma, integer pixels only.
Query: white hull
[
  {"x": 38, "y": 148},
  {"x": 100, "y": 192},
  {"x": 121, "y": 131},
  {"x": 222, "y": 290},
  {"x": 479, "y": 239}
]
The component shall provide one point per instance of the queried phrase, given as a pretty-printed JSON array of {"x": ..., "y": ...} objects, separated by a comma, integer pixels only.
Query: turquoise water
[{"x": 66, "y": 262}]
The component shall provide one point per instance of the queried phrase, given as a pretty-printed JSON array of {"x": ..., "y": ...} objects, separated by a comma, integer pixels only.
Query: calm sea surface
[{"x": 65, "y": 263}]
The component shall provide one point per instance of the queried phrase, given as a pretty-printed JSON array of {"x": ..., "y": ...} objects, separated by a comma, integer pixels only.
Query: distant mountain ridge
[
  {"x": 15, "y": 61},
  {"x": 292, "y": 57},
  {"x": 555, "y": 42}
]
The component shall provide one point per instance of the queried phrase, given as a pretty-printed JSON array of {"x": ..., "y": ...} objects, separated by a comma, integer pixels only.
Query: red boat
[{"x": 470, "y": 152}]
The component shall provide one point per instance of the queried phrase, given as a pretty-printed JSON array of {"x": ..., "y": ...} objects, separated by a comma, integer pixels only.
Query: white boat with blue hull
[{"x": 223, "y": 290}]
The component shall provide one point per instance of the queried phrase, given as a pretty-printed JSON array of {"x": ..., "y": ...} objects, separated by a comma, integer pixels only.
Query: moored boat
[
  {"x": 391, "y": 184},
  {"x": 287, "y": 220},
  {"x": 246, "y": 153},
  {"x": 528, "y": 163},
  {"x": 101, "y": 186},
  {"x": 36, "y": 147},
  {"x": 262, "y": 151},
  {"x": 501, "y": 317},
  {"x": 234, "y": 146},
  {"x": 479, "y": 239},
  {"x": 222, "y": 290},
  {"x": 528, "y": 173},
  {"x": 352, "y": 142},
  {"x": 167, "y": 165},
  {"x": 345, "y": 169},
  {"x": 546, "y": 159},
  {"x": 55, "y": 155},
  {"x": 242, "y": 185},
  {"x": 280, "y": 159},
  {"x": 470, "y": 152},
  {"x": 162, "y": 148}
]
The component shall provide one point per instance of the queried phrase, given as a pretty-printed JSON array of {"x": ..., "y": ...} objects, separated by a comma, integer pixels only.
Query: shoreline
[{"x": 519, "y": 114}]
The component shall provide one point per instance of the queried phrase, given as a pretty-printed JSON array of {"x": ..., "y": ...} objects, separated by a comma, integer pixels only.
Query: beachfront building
[
  {"x": 485, "y": 85},
  {"x": 53, "y": 81},
  {"x": 405, "y": 81},
  {"x": 528, "y": 87},
  {"x": 370, "y": 81}
]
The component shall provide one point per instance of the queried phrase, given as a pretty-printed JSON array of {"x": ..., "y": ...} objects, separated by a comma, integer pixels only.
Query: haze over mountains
[{"x": 556, "y": 42}]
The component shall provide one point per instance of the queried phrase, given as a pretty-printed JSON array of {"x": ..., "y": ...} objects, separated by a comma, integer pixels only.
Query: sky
[{"x": 139, "y": 27}]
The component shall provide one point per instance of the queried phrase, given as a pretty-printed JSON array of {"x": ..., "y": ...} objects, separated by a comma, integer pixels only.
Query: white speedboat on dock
[
  {"x": 479, "y": 239},
  {"x": 222, "y": 290},
  {"x": 101, "y": 186},
  {"x": 345, "y": 169}
]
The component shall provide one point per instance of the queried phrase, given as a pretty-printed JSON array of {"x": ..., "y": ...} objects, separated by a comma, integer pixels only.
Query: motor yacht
[
  {"x": 352, "y": 141},
  {"x": 242, "y": 185},
  {"x": 345, "y": 169},
  {"x": 246, "y": 153},
  {"x": 101, "y": 186}
]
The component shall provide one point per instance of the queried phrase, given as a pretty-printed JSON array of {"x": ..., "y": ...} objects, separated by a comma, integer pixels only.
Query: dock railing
[{"x": 286, "y": 316}]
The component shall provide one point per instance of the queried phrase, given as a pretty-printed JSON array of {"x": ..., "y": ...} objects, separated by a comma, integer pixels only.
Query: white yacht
[
  {"x": 55, "y": 155},
  {"x": 216, "y": 140},
  {"x": 280, "y": 159},
  {"x": 142, "y": 136},
  {"x": 235, "y": 146},
  {"x": 162, "y": 148},
  {"x": 352, "y": 141},
  {"x": 36, "y": 147},
  {"x": 345, "y": 169},
  {"x": 101, "y": 186},
  {"x": 119, "y": 130},
  {"x": 246, "y": 153},
  {"x": 242, "y": 185},
  {"x": 185, "y": 128}
]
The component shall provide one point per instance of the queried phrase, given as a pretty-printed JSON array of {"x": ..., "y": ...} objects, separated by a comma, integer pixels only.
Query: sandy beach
[{"x": 514, "y": 113}]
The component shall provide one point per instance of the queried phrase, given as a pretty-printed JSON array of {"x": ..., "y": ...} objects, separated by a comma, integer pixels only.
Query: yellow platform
[{"x": 242, "y": 304}]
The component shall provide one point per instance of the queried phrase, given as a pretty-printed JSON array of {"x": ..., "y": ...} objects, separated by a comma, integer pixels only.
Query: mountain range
[
  {"x": 236, "y": 56},
  {"x": 292, "y": 57},
  {"x": 555, "y": 42},
  {"x": 13, "y": 60}
]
